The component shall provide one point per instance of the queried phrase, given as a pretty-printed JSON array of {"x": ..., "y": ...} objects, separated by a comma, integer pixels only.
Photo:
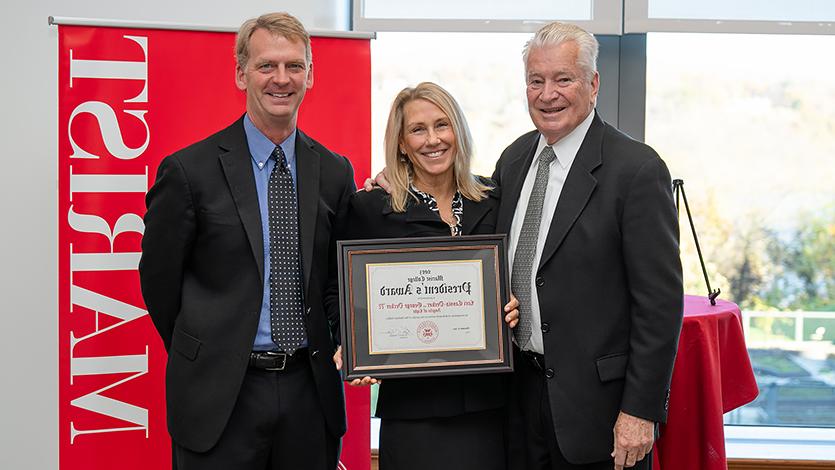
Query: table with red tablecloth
[{"x": 712, "y": 376}]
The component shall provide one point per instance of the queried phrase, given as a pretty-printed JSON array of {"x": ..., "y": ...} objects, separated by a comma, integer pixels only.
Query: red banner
[{"x": 128, "y": 98}]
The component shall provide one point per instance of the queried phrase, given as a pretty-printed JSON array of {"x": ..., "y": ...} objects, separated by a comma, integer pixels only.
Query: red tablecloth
[{"x": 712, "y": 375}]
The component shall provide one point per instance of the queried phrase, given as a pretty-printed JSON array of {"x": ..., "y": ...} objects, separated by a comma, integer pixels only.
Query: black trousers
[
  {"x": 533, "y": 443},
  {"x": 276, "y": 424},
  {"x": 472, "y": 441}
]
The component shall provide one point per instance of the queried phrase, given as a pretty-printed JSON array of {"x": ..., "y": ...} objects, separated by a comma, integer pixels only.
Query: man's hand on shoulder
[
  {"x": 633, "y": 440},
  {"x": 379, "y": 180}
]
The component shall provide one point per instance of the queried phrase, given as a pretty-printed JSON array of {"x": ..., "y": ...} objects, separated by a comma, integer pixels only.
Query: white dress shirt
[{"x": 565, "y": 149}]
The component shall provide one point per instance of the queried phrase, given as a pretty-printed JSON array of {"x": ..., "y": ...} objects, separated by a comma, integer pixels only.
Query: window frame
[
  {"x": 607, "y": 18},
  {"x": 636, "y": 20},
  {"x": 779, "y": 442}
]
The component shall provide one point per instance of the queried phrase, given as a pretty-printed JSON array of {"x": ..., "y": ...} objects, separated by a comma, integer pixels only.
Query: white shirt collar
[{"x": 566, "y": 148}]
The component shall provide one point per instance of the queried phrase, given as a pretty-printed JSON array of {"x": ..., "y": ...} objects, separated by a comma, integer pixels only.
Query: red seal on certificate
[{"x": 427, "y": 331}]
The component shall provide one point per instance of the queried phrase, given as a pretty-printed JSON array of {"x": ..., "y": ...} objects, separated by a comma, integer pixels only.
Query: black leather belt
[{"x": 275, "y": 361}]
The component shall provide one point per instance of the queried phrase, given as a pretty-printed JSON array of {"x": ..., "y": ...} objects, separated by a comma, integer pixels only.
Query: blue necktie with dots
[{"x": 286, "y": 299}]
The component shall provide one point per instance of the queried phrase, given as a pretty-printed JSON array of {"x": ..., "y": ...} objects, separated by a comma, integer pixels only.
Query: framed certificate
[{"x": 424, "y": 306}]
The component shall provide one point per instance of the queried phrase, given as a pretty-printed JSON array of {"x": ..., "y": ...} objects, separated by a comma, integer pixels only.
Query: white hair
[{"x": 556, "y": 33}]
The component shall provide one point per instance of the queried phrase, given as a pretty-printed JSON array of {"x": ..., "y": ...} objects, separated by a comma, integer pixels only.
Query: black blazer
[
  {"x": 202, "y": 272},
  {"x": 609, "y": 285},
  {"x": 370, "y": 216}
]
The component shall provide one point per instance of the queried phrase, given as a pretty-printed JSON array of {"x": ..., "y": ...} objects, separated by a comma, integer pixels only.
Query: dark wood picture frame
[{"x": 493, "y": 355}]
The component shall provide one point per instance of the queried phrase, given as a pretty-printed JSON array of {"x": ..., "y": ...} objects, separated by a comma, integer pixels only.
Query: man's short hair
[
  {"x": 278, "y": 24},
  {"x": 556, "y": 33}
]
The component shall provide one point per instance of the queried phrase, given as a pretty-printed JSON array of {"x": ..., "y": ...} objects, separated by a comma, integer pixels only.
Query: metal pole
[
  {"x": 678, "y": 187},
  {"x": 116, "y": 23}
]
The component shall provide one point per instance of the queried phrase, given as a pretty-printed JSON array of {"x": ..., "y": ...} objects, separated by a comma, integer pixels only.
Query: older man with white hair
[{"x": 595, "y": 265}]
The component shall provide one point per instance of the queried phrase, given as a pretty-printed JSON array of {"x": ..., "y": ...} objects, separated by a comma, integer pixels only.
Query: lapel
[
  {"x": 307, "y": 187},
  {"x": 578, "y": 188},
  {"x": 421, "y": 213},
  {"x": 473, "y": 214},
  {"x": 418, "y": 213},
  {"x": 513, "y": 179},
  {"x": 237, "y": 168}
]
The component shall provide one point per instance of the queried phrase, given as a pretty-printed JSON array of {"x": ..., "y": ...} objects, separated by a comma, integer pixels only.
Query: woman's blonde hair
[{"x": 399, "y": 169}]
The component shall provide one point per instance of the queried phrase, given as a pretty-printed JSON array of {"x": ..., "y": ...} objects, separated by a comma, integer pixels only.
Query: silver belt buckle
[{"x": 283, "y": 357}]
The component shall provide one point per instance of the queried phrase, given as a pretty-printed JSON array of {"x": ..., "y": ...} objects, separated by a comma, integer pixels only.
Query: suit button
[
  {"x": 546, "y": 327},
  {"x": 540, "y": 281},
  {"x": 549, "y": 373},
  {"x": 314, "y": 353},
  {"x": 307, "y": 312}
]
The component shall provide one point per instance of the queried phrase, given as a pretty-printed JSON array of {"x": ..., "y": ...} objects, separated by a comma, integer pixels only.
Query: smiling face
[
  {"x": 560, "y": 93},
  {"x": 275, "y": 79},
  {"x": 428, "y": 140}
]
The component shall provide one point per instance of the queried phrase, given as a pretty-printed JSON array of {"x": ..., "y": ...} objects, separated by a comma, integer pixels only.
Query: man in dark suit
[
  {"x": 595, "y": 266},
  {"x": 237, "y": 255}
]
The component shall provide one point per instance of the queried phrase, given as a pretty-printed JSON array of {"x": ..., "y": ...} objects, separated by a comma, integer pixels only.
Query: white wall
[{"x": 28, "y": 196}]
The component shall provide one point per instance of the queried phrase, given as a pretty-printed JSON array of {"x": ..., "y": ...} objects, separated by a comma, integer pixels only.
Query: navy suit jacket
[{"x": 202, "y": 272}]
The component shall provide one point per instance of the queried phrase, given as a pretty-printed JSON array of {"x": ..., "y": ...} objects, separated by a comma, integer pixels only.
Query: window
[
  {"x": 598, "y": 16},
  {"x": 748, "y": 121},
  {"x": 478, "y": 9},
  {"x": 740, "y": 16},
  {"x": 743, "y": 10}
]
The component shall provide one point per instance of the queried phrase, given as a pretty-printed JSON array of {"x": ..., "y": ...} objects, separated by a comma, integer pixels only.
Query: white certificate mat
[{"x": 425, "y": 306}]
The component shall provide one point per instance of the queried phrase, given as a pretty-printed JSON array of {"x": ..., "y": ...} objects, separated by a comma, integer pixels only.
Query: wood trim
[
  {"x": 733, "y": 464},
  {"x": 762, "y": 464}
]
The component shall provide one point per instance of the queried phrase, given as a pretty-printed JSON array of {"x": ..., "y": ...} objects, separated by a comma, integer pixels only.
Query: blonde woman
[{"x": 439, "y": 422}]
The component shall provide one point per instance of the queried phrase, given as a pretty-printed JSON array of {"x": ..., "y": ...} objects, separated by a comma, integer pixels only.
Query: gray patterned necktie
[
  {"x": 523, "y": 260},
  {"x": 286, "y": 303}
]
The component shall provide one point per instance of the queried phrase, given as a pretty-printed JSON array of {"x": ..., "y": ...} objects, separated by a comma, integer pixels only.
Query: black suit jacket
[
  {"x": 371, "y": 216},
  {"x": 609, "y": 285},
  {"x": 202, "y": 271}
]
